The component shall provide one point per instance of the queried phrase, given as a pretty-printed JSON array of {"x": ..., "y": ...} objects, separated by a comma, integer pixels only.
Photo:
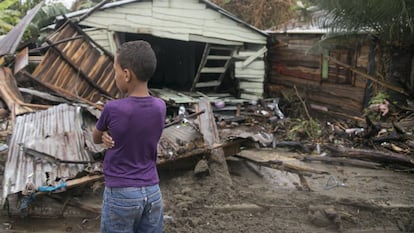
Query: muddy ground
[{"x": 375, "y": 200}]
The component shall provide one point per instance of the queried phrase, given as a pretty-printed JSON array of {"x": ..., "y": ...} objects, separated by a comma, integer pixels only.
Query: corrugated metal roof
[
  {"x": 9, "y": 43},
  {"x": 51, "y": 141},
  {"x": 78, "y": 66}
]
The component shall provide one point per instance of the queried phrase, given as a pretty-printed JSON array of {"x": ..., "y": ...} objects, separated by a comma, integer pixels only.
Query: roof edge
[
  {"x": 233, "y": 17},
  {"x": 207, "y": 2}
]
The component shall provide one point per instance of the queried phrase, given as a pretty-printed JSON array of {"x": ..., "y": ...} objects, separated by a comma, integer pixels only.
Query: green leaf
[{"x": 6, "y": 4}]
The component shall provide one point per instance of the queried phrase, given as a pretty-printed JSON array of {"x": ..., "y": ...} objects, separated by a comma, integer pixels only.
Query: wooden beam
[
  {"x": 63, "y": 91},
  {"x": 254, "y": 56},
  {"x": 209, "y": 130},
  {"x": 364, "y": 75},
  {"x": 10, "y": 93},
  {"x": 372, "y": 155},
  {"x": 56, "y": 43}
]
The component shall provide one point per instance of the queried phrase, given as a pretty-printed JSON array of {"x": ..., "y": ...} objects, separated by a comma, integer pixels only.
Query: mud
[{"x": 266, "y": 200}]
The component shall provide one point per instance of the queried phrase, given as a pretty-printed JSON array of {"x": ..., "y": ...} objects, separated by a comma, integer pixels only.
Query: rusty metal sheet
[
  {"x": 51, "y": 141},
  {"x": 9, "y": 43},
  {"x": 78, "y": 66}
]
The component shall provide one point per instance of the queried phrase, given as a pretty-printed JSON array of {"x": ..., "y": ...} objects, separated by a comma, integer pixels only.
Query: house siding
[
  {"x": 292, "y": 65},
  {"x": 178, "y": 19}
]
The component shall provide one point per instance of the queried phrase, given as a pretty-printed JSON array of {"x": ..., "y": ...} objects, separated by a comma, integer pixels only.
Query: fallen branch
[
  {"x": 303, "y": 102},
  {"x": 342, "y": 161},
  {"x": 384, "y": 84},
  {"x": 372, "y": 155}
]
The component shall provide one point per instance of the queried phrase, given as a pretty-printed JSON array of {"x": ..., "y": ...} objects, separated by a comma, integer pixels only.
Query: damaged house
[
  {"x": 202, "y": 51},
  {"x": 204, "y": 54},
  {"x": 199, "y": 46}
]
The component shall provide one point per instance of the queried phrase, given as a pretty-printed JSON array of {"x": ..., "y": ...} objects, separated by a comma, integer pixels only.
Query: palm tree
[{"x": 390, "y": 21}]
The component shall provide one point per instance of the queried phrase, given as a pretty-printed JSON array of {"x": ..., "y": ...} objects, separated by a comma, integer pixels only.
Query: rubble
[{"x": 47, "y": 119}]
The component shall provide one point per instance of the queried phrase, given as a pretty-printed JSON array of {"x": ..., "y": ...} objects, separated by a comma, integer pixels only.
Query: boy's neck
[{"x": 138, "y": 89}]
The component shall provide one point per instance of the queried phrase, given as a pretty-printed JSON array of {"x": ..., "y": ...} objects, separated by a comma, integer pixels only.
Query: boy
[{"x": 132, "y": 200}]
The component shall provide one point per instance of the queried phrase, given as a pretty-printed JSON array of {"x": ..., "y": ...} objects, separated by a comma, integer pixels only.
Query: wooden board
[{"x": 272, "y": 156}]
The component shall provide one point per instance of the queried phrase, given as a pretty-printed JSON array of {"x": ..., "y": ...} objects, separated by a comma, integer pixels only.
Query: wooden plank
[
  {"x": 214, "y": 83},
  {"x": 10, "y": 93},
  {"x": 142, "y": 11},
  {"x": 369, "y": 77},
  {"x": 207, "y": 123},
  {"x": 254, "y": 85},
  {"x": 208, "y": 128},
  {"x": 21, "y": 60},
  {"x": 62, "y": 91},
  {"x": 216, "y": 29},
  {"x": 286, "y": 160},
  {"x": 254, "y": 91},
  {"x": 244, "y": 54},
  {"x": 250, "y": 96},
  {"x": 217, "y": 70},
  {"x": 251, "y": 77},
  {"x": 209, "y": 40},
  {"x": 193, "y": 14},
  {"x": 254, "y": 65},
  {"x": 372, "y": 155},
  {"x": 253, "y": 57},
  {"x": 213, "y": 57},
  {"x": 246, "y": 71}
]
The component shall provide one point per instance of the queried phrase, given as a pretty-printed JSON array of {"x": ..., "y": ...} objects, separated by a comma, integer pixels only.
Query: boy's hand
[{"x": 107, "y": 140}]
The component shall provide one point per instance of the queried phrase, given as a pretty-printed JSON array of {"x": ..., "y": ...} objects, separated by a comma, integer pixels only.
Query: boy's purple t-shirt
[{"x": 135, "y": 124}]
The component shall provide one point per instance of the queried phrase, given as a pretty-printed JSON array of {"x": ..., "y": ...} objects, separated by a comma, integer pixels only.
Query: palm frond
[{"x": 391, "y": 20}]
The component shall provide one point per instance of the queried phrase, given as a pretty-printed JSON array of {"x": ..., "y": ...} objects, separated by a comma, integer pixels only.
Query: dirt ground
[{"x": 263, "y": 200}]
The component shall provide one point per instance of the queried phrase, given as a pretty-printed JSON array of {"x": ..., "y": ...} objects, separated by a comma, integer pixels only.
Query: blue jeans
[{"x": 132, "y": 210}]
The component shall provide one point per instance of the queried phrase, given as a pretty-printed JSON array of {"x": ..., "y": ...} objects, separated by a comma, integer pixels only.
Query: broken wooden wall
[
  {"x": 10, "y": 93},
  {"x": 291, "y": 65},
  {"x": 79, "y": 66},
  {"x": 250, "y": 71}
]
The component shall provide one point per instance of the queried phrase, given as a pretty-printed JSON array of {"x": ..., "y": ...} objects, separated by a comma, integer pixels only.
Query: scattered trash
[
  {"x": 3, "y": 147},
  {"x": 354, "y": 131},
  {"x": 274, "y": 106},
  {"x": 333, "y": 183}
]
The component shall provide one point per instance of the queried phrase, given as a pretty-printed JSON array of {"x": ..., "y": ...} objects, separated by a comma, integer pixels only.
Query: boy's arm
[
  {"x": 102, "y": 137},
  {"x": 97, "y": 136}
]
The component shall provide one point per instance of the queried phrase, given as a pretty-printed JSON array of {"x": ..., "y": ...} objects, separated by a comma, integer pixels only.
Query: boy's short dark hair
[{"x": 139, "y": 57}]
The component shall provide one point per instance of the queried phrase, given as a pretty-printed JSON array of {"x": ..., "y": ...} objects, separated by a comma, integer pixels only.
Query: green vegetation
[
  {"x": 11, "y": 11},
  {"x": 390, "y": 21},
  {"x": 304, "y": 129}
]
